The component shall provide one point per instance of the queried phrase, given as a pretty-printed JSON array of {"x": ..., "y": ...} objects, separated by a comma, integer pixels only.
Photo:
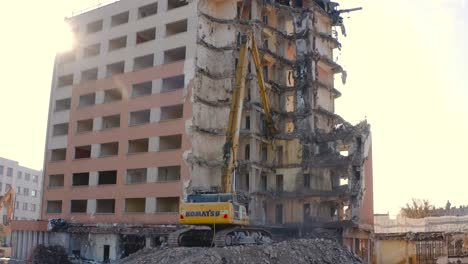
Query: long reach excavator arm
[
  {"x": 219, "y": 218},
  {"x": 231, "y": 146}
]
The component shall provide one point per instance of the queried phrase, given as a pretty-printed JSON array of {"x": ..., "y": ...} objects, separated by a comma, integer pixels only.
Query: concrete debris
[
  {"x": 293, "y": 251},
  {"x": 48, "y": 255}
]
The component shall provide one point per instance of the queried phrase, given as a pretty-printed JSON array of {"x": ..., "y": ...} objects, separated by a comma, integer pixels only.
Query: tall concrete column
[
  {"x": 148, "y": 242},
  {"x": 155, "y": 115},
  {"x": 91, "y": 208},
  {"x": 40, "y": 238},
  {"x": 99, "y": 97},
  {"x": 97, "y": 123},
  {"x": 154, "y": 144},
  {"x": 150, "y": 206},
  {"x": 152, "y": 174},
  {"x": 46, "y": 238},
  {"x": 34, "y": 238},
  {"x": 30, "y": 243},
  {"x": 14, "y": 244},
  {"x": 93, "y": 178},
  {"x": 95, "y": 150},
  {"x": 157, "y": 86}
]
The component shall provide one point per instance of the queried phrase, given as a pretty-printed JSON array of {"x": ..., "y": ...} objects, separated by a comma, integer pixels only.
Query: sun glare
[{"x": 64, "y": 40}]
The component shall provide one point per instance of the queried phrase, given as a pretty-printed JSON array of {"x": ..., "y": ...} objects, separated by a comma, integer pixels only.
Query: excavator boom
[{"x": 218, "y": 218}]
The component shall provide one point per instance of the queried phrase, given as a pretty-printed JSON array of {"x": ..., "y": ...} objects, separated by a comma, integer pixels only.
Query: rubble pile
[{"x": 292, "y": 251}]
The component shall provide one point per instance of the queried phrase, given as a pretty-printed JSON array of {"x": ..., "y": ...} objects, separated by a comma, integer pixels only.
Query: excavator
[
  {"x": 7, "y": 199},
  {"x": 221, "y": 218}
]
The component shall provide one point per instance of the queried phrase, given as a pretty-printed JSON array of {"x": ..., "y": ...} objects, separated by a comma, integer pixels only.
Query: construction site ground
[{"x": 295, "y": 251}]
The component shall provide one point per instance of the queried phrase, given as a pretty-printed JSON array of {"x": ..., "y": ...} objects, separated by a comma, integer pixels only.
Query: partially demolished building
[{"x": 139, "y": 110}]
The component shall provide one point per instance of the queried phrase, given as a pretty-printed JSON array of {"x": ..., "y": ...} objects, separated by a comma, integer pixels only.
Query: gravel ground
[{"x": 312, "y": 251}]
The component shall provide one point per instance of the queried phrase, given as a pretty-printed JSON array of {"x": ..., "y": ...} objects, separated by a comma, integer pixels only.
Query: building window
[
  {"x": 167, "y": 204},
  {"x": 107, "y": 177},
  {"x": 33, "y": 207},
  {"x": 25, "y": 206},
  {"x": 56, "y": 180},
  {"x": 7, "y": 187},
  {"x": 112, "y": 95},
  {"x": 35, "y": 178},
  {"x": 167, "y": 174},
  {"x": 27, "y": 176},
  {"x": 142, "y": 89},
  {"x": 60, "y": 129},
  {"x": 136, "y": 176},
  {"x": 1, "y": 170},
  {"x": 135, "y": 205},
  {"x": 175, "y": 28},
  {"x": 33, "y": 193},
  {"x": 247, "y": 152},
  {"x": 173, "y": 4},
  {"x": 173, "y": 55},
  {"x": 119, "y": 19},
  {"x": 89, "y": 75},
  {"x": 307, "y": 180},
  {"x": 263, "y": 182},
  {"x": 25, "y": 192},
  {"x": 118, "y": 43},
  {"x": 1, "y": 187},
  {"x": 143, "y": 62},
  {"x": 111, "y": 121},
  {"x": 9, "y": 172},
  {"x": 83, "y": 126},
  {"x": 80, "y": 179},
  {"x": 56, "y": 155},
  {"x": 109, "y": 149},
  {"x": 145, "y": 35},
  {"x": 54, "y": 207},
  {"x": 279, "y": 214},
  {"x": 87, "y": 100},
  {"x": 264, "y": 152},
  {"x": 279, "y": 183},
  {"x": 105, "y": 206},
  {"x": 173, "y": 83},
  {"x": 78, "y": 206},
  {"x": 148, "y": 10},
  {"x": 138, "y": 145},
  {"x": 91, "y": 50},
  {"x": 18, "y": 190},
  {"x": 115, "y": 68},
  {"x": 170, "y": 142},
  {"x": 83, "y": 152},
  {"x": 65, "y": 80},
  {"x": 172, "y": 112},
  {"x": 16, "y": 205},
  {"x": 94, "y": 27}
]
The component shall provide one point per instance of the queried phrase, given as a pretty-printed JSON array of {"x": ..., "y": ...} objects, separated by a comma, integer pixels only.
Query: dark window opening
[
  {"x": 80, "y": 179},
  {"x": 107, "y": 177},
  {"x": 83, "y": 152}
]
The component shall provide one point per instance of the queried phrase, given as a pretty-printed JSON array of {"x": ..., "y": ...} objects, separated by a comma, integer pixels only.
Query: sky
[{"x": 407, "y": 64}]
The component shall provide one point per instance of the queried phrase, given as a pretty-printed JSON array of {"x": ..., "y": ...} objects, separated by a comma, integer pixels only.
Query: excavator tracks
[
  {"x": 237, "y": 236},
  {"x": 202, "y": 236},
  {"x": 194, "y": 236}
]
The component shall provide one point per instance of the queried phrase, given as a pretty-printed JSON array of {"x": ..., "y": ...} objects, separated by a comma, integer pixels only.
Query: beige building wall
[{"x": 27, "y": 184}]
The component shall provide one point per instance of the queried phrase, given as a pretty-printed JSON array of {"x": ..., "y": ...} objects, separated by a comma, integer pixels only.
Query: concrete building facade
[
  {"x": 27, "y": 184},
  {"x": 139, "y": 108},
  {"x": 440, "y": 239}
]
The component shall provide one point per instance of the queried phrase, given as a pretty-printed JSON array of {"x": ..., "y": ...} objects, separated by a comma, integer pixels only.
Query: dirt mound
[{"x": 294, "y": 251}]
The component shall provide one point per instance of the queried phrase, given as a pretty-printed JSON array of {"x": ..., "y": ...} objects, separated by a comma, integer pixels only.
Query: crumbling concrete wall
[{"x": 296, "y": 45}]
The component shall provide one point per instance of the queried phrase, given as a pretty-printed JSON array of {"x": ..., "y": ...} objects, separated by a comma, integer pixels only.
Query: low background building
[
  {"x": 28, "y": 189},
  {"x": 442, "y": 239}
]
